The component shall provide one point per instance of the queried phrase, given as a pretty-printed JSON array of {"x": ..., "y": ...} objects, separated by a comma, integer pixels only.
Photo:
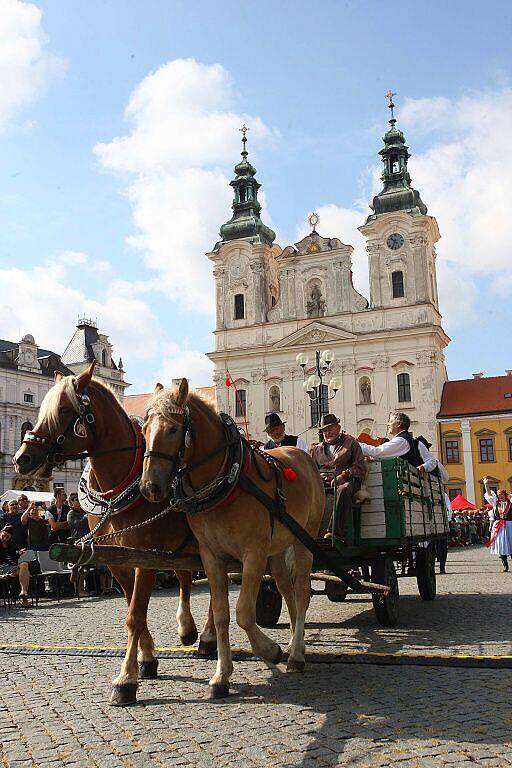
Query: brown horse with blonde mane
[
  {"x": 81, "y": 415},
  {"x": 199, "y": 457}
]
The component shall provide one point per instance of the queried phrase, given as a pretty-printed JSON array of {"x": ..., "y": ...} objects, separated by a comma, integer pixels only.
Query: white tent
[{"x": 31, "y": 496}]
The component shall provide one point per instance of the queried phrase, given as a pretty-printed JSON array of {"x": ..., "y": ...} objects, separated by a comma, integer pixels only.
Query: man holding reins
[{"x": 340, "y": 454}]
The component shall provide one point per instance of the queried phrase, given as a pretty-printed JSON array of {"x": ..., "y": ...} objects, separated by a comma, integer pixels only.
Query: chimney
[{"x": 478, "y": 375}]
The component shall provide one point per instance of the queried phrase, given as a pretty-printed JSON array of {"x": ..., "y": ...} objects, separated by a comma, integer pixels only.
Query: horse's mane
[
  {"x": 163, "y": 403},
  {"x": 49, "y": 409}
]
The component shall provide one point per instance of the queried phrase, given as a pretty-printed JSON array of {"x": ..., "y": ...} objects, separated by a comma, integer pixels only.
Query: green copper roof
[
  {"x": 246, "y": 221},
  {"x": 397, "y": 193}
]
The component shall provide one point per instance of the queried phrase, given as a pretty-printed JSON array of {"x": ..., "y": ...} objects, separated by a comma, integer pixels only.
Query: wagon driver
[
  {"x": 340, "y": 453},
  {"x": 500, "y": 542},
  {"x": 277, "y": 437}
]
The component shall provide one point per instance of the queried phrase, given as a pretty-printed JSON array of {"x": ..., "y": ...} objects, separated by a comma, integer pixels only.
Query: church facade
[{"x": 273, "y": 304}]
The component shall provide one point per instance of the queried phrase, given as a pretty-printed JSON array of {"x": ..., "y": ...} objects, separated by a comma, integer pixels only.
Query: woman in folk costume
[{"x": 500, "y": 542}]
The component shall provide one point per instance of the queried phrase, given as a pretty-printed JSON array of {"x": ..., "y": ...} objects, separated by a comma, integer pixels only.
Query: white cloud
[
  {"x": 184, "y": 133},
  {"x": 50, "y": 313},
  {"x": 188, "y": 363},
  {"x": 26, "y": 66}
]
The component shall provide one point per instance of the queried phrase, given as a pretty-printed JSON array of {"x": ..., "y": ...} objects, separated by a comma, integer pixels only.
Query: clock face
[{"x": 395, "y": 241}]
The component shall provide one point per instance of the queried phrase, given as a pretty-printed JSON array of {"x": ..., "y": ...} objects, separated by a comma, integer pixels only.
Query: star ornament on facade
[{"x": 313, "y": 219}]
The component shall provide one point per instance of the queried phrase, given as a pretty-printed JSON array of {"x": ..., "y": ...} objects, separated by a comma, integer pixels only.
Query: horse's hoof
[
  {"x": 207, "y": 648},
  {"x": 123, "y": 695},
  {"x": 148, "y": 670},
  {"x": 219, "y": 691},
  {"x": 190, "y": 639},
  {"x": 295, "y": 666},
  {"x": 279, "y": 655}
]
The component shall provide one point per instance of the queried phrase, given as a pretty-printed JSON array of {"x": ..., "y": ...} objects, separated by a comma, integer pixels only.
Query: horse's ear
[
  {"x": 84, "y": 379},
  {"x": 182, "y": 393},
  {"x": 57, "y": 376},
  {"x": 158, "y": 387}
]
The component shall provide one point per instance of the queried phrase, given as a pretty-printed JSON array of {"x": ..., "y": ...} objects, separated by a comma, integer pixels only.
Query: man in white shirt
[{"x": 402, "y": 444}]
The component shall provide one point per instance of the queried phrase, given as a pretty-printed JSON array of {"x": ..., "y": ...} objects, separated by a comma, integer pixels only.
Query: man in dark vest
[{"x": 275, "y": 429}]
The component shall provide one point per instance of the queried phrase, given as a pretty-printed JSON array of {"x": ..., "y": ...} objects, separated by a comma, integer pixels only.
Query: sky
[{"x": 119, "y": 132}]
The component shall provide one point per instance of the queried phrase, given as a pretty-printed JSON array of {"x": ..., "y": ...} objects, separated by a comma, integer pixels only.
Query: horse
[
  {"x": 81, "y": 416},
  {"x": 225, "y": 486}
]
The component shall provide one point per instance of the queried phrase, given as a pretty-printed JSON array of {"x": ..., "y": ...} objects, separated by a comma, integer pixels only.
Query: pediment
[
  {"x": 312, "y": 243},
  {"x": 315, "y": 333}
]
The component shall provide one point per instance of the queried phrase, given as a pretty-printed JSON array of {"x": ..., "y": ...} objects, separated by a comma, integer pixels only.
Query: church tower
[
  {"x": 401, "y": 236},
  {"x": 246, "y": 282}
]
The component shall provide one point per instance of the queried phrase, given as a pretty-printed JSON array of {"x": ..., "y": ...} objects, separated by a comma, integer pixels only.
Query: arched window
[
  {"x": 104, "y": 358},
  {"x": 274, "y": 399},
  {"x": 397, "y": 278},
  {"x": 404, "y": 387},
  {"x": 241, "y": 402},
  {"x": 25, "y": 427},
  {"x": 365, "y": 390},
  {"x": 319, "y": 409},
  {"x": 239, "y": 306}
]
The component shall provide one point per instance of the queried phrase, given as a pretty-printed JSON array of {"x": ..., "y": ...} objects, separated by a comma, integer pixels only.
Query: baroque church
[{"x": 273, "y": 303}]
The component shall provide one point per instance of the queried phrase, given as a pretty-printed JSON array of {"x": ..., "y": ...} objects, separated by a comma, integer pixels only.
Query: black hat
[
  {"x": 273, "y": 420},
  {"x": 328, "y": 420}
]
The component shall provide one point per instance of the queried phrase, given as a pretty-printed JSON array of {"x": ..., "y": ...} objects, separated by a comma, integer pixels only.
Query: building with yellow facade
[{"x": 475, "y": 434}]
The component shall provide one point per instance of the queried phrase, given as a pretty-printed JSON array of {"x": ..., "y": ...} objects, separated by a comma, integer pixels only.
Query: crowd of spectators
[
  {"x": 469, "y": 527},
  {"x": 27, "y": 528}
]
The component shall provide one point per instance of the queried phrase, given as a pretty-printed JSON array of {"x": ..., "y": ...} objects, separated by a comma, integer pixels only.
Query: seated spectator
[
  {"x": 13, "y": 518},
  {"x": 58, "y": 518},
  {"x": 37, "y": 526},
  {"x": 5, "y": 508},
  {"x": 9, "y": 563},
  {"x": 23, "y": 503}
]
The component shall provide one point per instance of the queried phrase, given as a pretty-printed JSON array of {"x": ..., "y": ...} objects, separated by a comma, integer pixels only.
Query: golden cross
[{"x": 389, "y": 95}]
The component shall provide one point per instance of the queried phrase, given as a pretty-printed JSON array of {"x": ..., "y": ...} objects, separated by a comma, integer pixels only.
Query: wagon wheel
[
  {"x": 426, "y": 572},
  {"x": 385, "y": 606},
  {"x": 268, "y": 604},
  {"x": 336, "y": 593}
]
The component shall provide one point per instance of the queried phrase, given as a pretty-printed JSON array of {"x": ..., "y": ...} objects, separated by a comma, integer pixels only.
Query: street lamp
[{"x": 313, "y": 384}]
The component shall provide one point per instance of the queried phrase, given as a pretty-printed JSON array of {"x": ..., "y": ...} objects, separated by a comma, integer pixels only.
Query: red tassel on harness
[
  {"x": 289, "y": 474},
  {"x": 228, "y": 382}
]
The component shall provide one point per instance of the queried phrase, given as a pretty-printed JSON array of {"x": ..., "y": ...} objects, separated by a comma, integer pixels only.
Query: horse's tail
[{"x": 289, "y": 559}]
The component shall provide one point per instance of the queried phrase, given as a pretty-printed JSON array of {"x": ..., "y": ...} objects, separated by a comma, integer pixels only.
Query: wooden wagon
[{"x": 394, "y": 533}]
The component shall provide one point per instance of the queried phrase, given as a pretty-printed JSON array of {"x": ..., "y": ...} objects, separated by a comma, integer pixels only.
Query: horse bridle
[
  {"x": 81, "y": 417},
  {"x": 176, "y": 459}
]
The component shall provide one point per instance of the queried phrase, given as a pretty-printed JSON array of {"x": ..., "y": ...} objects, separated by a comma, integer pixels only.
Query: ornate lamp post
[{"x": 313, "y": 384}]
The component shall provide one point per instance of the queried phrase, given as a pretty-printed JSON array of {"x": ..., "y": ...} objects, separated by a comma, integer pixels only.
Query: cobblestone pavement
[{"x": 54, "y": 709}]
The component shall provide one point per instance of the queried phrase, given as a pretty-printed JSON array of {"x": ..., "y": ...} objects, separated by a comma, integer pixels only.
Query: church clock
[{"x": 395, "y": 241}]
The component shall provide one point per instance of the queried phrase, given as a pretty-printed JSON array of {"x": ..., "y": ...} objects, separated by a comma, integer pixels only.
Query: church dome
[{"x": 28, "y": 339}]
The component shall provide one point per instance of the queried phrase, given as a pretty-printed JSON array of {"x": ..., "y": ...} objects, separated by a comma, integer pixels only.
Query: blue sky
[{"x": 107, "y": 212}]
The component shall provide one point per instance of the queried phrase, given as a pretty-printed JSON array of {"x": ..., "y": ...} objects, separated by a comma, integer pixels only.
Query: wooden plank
[{"x": 373, "y": 532}]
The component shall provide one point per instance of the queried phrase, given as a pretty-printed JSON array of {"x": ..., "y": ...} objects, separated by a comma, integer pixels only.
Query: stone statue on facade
[
  {"x": 316, "y": 304},
  {"x": 366, "y": 390}
]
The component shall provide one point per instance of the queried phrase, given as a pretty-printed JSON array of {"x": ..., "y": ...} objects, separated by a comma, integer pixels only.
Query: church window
[
  {"x": 25, "y": 427},
  {"x": 394, "y": 164},
  {"x": 28, "y": 398},
  {"x": 397, "y": 279},
  {"x": 274, "y": 399},
  {"x": 451, "y": 451},
  {"x": 240, "y": 403},
  {"x": 273, "y": 301},
  {"x": 242, "y": 193},
  {"x": 239, "y": 306},
  {"x": 486, "y": 445},
  {"x": 365, "y": 390},
  {"x": 404, "y": 388},
  {"x": 104, "y": 358},
  {"x": 320, "y": 406}
]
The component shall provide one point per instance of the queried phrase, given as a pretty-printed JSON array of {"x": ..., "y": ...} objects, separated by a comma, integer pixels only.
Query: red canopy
[{"x": 459, "y": 502}]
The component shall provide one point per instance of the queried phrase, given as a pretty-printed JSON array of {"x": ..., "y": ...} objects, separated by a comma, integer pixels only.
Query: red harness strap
[{"x": 136, "y": 467}]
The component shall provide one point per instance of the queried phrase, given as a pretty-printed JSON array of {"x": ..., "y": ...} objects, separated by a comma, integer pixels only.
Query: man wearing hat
[
  {"x": 275, "y": 429},
  {"x": 340, "y": 453}
]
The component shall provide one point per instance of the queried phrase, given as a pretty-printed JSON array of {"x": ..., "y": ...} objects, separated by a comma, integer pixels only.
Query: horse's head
[
  {"x": 65, "y": 426},
  {"x": 167, "y": 434}
]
